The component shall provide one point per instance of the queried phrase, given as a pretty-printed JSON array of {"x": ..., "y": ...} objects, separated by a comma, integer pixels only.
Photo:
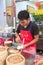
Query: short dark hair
[{"x": 24, "y": 14}]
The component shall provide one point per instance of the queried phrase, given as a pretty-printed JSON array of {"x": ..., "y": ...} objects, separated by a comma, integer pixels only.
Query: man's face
[{"x": 24, "y": 23}]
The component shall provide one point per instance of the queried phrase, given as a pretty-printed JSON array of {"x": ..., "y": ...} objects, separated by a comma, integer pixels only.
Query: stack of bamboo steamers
[
  {"x": 10, "y": 59},
  {"x": 3, "y": 55}
]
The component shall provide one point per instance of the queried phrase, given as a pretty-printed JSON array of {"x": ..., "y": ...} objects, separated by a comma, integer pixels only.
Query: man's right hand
[{"x": 17, "y": 39}]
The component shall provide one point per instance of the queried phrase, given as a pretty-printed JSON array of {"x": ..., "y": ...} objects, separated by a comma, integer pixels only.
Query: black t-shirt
[{"x": 32, "y": 27}]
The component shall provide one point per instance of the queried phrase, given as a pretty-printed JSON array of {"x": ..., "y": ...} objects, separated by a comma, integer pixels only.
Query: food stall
[{"x": 9, "y": 52}]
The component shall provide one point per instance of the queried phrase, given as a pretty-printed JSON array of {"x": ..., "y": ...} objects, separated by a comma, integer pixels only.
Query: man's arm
[
  {"x": 36, "y": 38},
  {"x": 17, "y": 38},
  {"x": 35, "y": 31}
]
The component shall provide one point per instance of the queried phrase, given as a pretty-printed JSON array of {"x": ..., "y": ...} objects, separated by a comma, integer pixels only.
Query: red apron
[{"x": 27, "y": 36}]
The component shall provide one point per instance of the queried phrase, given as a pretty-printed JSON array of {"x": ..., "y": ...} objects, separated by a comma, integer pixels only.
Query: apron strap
[{"x": 30, "y": 26}]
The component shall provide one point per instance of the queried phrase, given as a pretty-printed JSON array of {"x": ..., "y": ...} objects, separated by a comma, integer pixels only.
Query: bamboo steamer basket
[
  {"x": 13, "y": 51},
  {"x": 15, "y": 59},
  {"x": 2, "y": 62},
  {"x": 3, "y": 54},
  {"x": 38, "y": 60}
]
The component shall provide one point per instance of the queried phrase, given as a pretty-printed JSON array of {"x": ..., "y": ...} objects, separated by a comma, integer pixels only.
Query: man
[{"x": 27, "y": 32}]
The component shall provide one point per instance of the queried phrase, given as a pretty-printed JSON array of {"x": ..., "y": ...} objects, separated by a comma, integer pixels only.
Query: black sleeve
[{"x": 35, "y": 29}]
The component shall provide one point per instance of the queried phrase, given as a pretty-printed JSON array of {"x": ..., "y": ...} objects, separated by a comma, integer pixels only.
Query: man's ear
[{"x": 29, "y": 18}]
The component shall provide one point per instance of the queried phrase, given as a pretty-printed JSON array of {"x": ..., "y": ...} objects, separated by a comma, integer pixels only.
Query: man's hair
[{"x": 24, "y": 14}]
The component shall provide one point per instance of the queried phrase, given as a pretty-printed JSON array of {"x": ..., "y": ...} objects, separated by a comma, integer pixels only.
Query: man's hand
[
  {"x": 20, "y": 47},
  {"x": 18, "y": 39}
]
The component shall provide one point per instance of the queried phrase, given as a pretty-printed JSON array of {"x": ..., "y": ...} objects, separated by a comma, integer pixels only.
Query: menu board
[
  {"x": 30, "y": 9},
  {"x": 9, "y": 10},
  {"x": 39, "y": 12},
  {"x": 41, "y": 7}
]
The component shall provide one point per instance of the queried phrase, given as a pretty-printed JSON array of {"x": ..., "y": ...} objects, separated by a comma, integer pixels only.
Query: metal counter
[{"x": 29, "y": 58}]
